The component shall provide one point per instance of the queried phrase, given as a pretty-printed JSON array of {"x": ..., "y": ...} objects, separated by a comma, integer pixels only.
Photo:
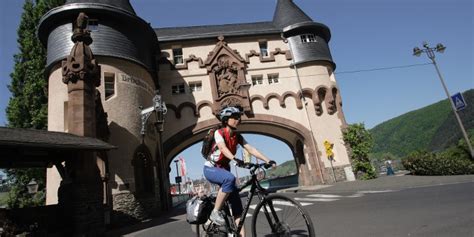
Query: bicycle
[{"x": 274, "y": 214}]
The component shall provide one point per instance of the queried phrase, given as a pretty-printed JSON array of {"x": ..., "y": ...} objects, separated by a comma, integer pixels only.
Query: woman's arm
[
  {"x": 224, "y": 150},
  {"x": 252, "y": 150}
]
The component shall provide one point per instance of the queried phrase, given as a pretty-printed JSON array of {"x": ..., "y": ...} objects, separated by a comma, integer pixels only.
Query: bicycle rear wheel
[{"x": 278, "y": 215}]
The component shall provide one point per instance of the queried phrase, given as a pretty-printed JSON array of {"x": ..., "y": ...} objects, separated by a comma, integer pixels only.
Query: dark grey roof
[
  {"x": 121, "y": 33},
  {"x": 121, "y": 4},
  {"x": 31, "y": 138},
  {"x": 199, "y": 32},
  {"x": 288, "y": 13}
]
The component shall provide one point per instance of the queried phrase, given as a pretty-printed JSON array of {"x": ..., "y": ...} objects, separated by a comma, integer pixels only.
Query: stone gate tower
[{"x": 125, "y": 47}]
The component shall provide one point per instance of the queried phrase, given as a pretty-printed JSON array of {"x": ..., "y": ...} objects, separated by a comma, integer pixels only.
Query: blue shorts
[{"x": 226, "y": 180}]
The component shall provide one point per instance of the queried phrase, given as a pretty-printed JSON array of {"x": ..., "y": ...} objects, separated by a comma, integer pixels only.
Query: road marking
[
  {"x": 380, "y": 191},
  {"x": 355, "y": 195},
  {"x": 284, "y": 203},
  {"x": 317, "y": 199},
  {"x": 254, "y": 206},
  {"x": 324, "y": 196}
]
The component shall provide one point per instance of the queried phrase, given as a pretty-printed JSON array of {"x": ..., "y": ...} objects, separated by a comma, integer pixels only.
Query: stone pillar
[{"x": 81, "y": 193}]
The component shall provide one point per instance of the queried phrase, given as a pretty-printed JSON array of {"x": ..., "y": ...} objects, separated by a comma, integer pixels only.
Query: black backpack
[{"x": 208, "y": 142}]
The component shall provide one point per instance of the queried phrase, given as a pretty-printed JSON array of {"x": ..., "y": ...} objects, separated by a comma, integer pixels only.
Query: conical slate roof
[
  {"x": 288, "y": 13},
  {"x": 120, "y": 4}
]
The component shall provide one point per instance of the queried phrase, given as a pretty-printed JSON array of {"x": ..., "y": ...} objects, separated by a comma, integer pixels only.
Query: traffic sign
[{"x": 458, "y": 101}]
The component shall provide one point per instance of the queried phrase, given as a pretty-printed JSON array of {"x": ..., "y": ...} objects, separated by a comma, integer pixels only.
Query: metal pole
[
  {"x": 177, "y": 175},
  {"x": 452, "y": 105},
  {"x": 333, "y": 172}
]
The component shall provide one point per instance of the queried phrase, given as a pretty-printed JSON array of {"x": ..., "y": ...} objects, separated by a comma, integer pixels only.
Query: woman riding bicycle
[{"x": 217, "y": 167}]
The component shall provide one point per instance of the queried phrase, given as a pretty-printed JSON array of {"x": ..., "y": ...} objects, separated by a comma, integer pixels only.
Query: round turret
[
  {"x": 115, "y": 28},
  {"x": 309, "y": 40}
]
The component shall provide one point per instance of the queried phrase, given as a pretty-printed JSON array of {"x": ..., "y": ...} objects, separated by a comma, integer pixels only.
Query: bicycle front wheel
[{"x": 279, "y": 215}]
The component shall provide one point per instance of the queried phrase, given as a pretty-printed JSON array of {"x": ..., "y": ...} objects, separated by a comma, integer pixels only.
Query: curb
[{"x": 384, "y": 183}]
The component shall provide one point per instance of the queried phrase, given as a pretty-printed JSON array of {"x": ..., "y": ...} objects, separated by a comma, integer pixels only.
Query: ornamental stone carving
[
  {"x": 226, "y": 69},
  {"x": 226, "y": 74},
  {"x": 81, "y": 63}
]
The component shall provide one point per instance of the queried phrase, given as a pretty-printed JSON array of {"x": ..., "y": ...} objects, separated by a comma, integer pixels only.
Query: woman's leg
[
  {"x": 226, "y": 180},
  {"x": 242, "y": 231},
  {"x": 237, "y": 209},
  {"x": 220, "y": 199}
]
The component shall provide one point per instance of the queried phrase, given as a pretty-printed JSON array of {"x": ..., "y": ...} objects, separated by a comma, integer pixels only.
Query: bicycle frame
[{"x": 261, "y": 193}]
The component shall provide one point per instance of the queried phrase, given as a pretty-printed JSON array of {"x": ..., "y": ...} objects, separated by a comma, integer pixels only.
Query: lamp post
[
  {"x": 32, "y": 186},
  {"x": 431, "y": 55},
  {"x": 159, "y": 109}
]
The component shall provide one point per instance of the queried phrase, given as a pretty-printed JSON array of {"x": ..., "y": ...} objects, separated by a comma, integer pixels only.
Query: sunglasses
[{"x": 236, "y": 117}]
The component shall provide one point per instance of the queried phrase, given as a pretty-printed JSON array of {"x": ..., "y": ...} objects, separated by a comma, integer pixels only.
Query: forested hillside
[
  {"x": 431, "y": 128},
  {"x": 284, "y": 169}
]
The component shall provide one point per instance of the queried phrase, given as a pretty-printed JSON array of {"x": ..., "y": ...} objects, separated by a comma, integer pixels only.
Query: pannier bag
[{"x": 198, "y": 210}]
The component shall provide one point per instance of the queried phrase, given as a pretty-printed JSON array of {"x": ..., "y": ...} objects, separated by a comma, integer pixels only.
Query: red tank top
[{"x": 231, "y": 143}]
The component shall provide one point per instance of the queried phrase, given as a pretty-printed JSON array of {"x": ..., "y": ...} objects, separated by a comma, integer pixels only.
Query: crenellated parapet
[{"x": 329, "y": 96}]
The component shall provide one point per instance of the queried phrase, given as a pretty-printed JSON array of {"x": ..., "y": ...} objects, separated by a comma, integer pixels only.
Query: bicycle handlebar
[{"x": 253, "y": 167}]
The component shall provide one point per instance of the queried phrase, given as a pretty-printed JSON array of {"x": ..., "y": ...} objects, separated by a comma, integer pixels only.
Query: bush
[
  {"x": 364, "y": 170},
  {"x": 360, "y": 142},
  {"x": 446, "y": 163}
]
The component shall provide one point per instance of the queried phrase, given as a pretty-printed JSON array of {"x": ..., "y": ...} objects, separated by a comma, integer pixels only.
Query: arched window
[{"x": 143, "y": 167}]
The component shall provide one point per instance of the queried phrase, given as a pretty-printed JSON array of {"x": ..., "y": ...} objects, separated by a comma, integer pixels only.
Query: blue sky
[{"x": 367, "y": 35}]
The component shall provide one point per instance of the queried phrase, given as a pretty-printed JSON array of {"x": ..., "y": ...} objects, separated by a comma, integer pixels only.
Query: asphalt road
[
  {"x": 446, "y": 210},
  {"x": 432, "y": 210}
]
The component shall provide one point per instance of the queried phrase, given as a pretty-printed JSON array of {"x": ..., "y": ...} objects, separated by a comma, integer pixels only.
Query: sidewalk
[{"x": 385, "y": 183}]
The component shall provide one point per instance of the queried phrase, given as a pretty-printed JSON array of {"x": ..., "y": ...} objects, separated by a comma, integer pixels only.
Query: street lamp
[
  {"x": 32, "y": 186},
  {"x": 159, "y": 108},
  {"x": 431, "y": 55}
]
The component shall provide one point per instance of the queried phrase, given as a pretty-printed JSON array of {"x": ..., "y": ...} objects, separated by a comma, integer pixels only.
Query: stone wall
[
  {"x": 338, "y": 171},
  {"x": 127, "y": 207}
]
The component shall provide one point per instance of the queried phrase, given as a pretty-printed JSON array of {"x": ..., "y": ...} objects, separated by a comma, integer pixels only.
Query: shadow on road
[{"x": 164, "y": 218}]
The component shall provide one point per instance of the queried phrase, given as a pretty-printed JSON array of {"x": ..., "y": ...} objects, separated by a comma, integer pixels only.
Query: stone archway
[{"x": 294, "y": 135}]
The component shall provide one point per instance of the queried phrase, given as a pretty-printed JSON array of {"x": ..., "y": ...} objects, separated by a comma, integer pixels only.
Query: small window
[
  {"x": 263, "y": 48},
  {"x": 195, "y": 86},
  {"x": 257, "y": 80},
  {"x": 307, "y": 38},
  {"x": 93, "y": 24},
  {"x": 178, "y": 56},
  {"x": 177, "y": 89},
  {"x": 109, "y": 84},
  {"x": 272, "y": 78}
]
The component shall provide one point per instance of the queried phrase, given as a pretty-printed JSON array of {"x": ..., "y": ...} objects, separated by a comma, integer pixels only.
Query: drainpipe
[{"x": 304, "y": 105}]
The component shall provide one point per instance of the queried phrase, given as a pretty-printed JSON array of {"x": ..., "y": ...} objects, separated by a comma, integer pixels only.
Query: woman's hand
[{"x": 271, "y": 163}]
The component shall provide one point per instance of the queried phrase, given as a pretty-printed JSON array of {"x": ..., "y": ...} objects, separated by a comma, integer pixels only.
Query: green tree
[
  {"x": 27, "y": 107},
  {"x": 360, "y": 142}
]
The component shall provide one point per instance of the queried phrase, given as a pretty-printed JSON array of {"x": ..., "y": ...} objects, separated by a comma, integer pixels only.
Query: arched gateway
[{"x": 280, "y": 72}]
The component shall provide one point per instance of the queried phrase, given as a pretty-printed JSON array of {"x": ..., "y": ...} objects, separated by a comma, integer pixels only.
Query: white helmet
[{"x": 226, "y": 112}]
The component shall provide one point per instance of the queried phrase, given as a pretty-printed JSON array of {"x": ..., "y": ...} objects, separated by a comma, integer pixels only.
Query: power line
[
  {"x": 384, "y": 68},
  {"x": 365, "y": 70}
]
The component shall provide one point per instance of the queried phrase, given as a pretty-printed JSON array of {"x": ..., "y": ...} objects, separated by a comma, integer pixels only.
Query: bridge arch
[{"x": 294, "y": 135}]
